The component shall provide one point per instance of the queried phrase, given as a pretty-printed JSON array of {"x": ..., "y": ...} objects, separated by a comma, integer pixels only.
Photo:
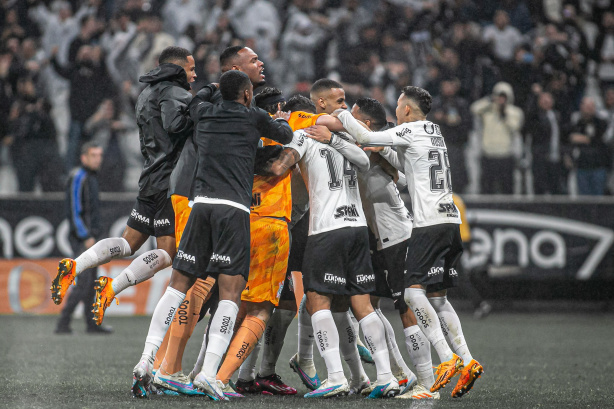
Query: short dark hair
[
  {"x": 420, "y": 96},
  {"x": 174, "y": 54},
  {"x": 300, "y": 103},
  {"x": 374, "y": 110},
  {"x": 232, "y": 83},
  {"x": 229, "y": 53},
  {"x": 324, "y": 84},
  {"x": 85, "y": 148},
  {"x": 269, "y": 98}
]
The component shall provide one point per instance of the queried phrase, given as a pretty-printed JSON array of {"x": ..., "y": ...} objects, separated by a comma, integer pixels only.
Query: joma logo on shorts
[
  {"x": 225, "y": 328},
  {"x": 161, "y": 222},
  {"x": 349, "y": 211},
  {"x": 220, "y": 258},
  {"x": 139, "y": 217},
  {"x": 435, "y": 271},
  {"x": 329, "y": 278},
  {"x": 185, "y": 256},
  {"x": 453, "y": 273},
  {"x": 365, "y": 278}
]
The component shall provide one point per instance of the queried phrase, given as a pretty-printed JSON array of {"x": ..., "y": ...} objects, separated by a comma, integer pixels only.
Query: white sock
[
  {"x": 220, "y": 333},
  {"x": 375, "y": 339},
  {"x": 356, "y": 326},
  {"x": 419, "y": 349},
  {"x": 451, "y": 327},
  {"x": 161, "y": 320},
  {"x": 347, "y": 344},
  {"x": 428, "y": 321},
  {"x": 327, "y": 341},
  {"x": 397, "y": 364},
  {"x": 102, "y": 252},
  {"x": 247, "y": 370},
  {"x": 141, "y": 269},
  {"x": 305, "y": 333},
  {"x": 201, "y": 354},
  {"x": 274, "y": 335}
]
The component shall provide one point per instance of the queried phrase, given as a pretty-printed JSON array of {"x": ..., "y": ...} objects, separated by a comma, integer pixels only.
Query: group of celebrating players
[{"x": 235, "y": 216}]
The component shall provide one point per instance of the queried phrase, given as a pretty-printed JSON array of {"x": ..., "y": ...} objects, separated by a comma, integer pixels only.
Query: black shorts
[
  {"x": 298, "y": 241},
  {"x": 153, "y": 215},
  {"x": 389, "y": 268},
  {"x": 215, "y": 241},
  {"x": 287, "y": 292},
  {"x": 338, "y": 262},
  {"x": 427, "y": 246}
]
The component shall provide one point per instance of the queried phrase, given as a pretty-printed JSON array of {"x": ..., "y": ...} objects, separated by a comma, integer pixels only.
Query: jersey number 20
[{"x": 440, "y": 172}]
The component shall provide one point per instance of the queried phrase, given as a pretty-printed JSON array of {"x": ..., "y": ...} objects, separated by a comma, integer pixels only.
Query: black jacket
[
  {"x": 595, "y": 154},
  {"x": 164, "y": 124},
  {"x": 227, "y": 135},
  {"x": 82, "y": 204}
]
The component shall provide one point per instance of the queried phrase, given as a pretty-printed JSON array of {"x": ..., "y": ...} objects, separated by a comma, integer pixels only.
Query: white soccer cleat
[
  {"x": 407, "y": 382},
  {"x": 141, "y": 378},
  {"x": 419, "y": 392},
  {"x": 327, "y": 390},
  {"x": 360, "y": 385},
  {"x": 210, "y": 387},
  {"x": 177, "y": 382}
]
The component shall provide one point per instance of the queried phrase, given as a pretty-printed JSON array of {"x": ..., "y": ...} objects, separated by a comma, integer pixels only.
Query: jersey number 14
[{"x": 349, "y": 171}]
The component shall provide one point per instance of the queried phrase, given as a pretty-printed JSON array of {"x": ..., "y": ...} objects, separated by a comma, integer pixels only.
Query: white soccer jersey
[
  {"x": 332, "y": 182},
  {"x": 386, "y": 214},
  {"x": 423, "y": 157}
]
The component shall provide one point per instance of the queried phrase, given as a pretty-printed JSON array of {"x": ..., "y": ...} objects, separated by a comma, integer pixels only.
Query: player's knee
[
  {"x": 412, "y": 293},
  {"x": 438, "y": 302}
]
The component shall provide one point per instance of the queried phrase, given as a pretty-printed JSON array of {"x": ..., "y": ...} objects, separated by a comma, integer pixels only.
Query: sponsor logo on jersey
[
  {"x": 439, "y": 142},
  {"x": 346, "y": 211},
  {"x": 139, "y": 217},
  {"x": 448, "y": 208},
  {"x": 364, "y": 278},
  {"x": 435, "y": 271},
  {"x": 404, "y": 132},
  {"x": 256, "y": 199},
  {"x": 186, "y": 257},
  {"x": 304, "y": 116},
  {"x": 219, "y": 258},
  {"x": 330, "y": 278},
  {"x": 161, "y": 222}
]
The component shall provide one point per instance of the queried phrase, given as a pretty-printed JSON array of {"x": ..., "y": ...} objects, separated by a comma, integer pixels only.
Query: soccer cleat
[
  {"x": 387, "y": 390},
  {"x": 104, "y": 296},
  {"x": 419, "y": 392},
  {"x": 210, "y": 387},
  {"x": 250, "y": 387},
  {"x": 408, "y": 383},
  {"x": 228, "y": 390},
  {"x": 274, "y": 384},
  {"x": 468, "y": 376},
  {"x": 445, "y": 371},
  {"x": 306, "y": 371},
  {"x": 330, "y": 391},
  {"x": 177, "y": 382},
  {"x": 360, "y": 385},
  {"x": 63, "y": 280},
  {"x": 365, "y": 355},
  {"x": 141, "y": 379}
]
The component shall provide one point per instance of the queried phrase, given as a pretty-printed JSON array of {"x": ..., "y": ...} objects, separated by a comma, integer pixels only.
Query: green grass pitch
[{"x": 530, "y": 361}]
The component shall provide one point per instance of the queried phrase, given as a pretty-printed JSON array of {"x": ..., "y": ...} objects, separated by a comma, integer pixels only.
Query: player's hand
[
  {"x": 319, "y": 133},
  {"x": 282, "y": 115}
]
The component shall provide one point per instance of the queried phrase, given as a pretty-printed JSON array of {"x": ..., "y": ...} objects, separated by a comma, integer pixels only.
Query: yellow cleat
[
  {"x": 104, "y": 296},
  {"x": 468, "y": 376},
  {"x": 445, "y": 371},
  {"x": 61, "y": 282}
]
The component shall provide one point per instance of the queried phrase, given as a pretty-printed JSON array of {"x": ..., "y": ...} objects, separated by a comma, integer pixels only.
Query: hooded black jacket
[{"x": 164, "y": 123}]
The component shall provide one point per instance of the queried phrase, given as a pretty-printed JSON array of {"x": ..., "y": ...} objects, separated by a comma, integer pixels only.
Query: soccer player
[
  {"x": 164, "y": 124},
  {"x": 216, "y": 238},
  {"x": 337, "y": 266},
  {"x": 422, "y": 154}
]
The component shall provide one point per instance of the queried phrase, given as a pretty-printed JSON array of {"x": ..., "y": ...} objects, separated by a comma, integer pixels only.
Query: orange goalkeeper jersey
[{"x": 271, "y": 195}]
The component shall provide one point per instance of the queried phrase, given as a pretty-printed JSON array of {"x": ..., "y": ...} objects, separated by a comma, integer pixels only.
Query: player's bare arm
[{"x": 282, "y": 164}]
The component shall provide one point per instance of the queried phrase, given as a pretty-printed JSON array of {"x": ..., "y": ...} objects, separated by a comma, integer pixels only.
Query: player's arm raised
[
  {"x": 349, "y": 150},
  {"x": 275, "y": 128},
  {"x": 365, "y": 137}
]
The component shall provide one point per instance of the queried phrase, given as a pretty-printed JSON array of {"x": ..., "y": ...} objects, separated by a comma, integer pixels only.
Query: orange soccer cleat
[
  {"x": 61, "y": 282},
  {"x": 445, "y": 371},
  {"x": 104, "y": 296},
  {"x": 468, "y": 376}
]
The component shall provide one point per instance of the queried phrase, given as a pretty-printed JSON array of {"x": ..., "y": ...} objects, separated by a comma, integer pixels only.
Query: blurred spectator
[
  {"x": 518, "y": 13},
  {"x": 500, "y": 123},
  {"x": 502, "y": 37},
  {"x": 90, "y": 30},
  {"x": 543, "y": 131},
  {"x": 32, "y": 138},
  {"x": 452, "y": 114},
  {"x": 89, "y": 85},
  {"x": 604, "y": 51},
  {"x": 589, "y": 153}
]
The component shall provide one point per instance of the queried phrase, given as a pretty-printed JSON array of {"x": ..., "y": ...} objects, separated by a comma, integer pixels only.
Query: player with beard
[
  {"x": 422, "y": 154},
  {"x": 164, "y": 124},
  {"x": 216, "y": 239}
]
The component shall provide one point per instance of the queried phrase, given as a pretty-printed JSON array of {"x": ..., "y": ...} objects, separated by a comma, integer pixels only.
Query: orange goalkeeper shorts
[
  {"x": 270, "y": 246},
  {"x": 182, "y": 209}
]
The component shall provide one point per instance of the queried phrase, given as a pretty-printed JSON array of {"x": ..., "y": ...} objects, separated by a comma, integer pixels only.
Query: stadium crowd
[{"x": 523, "y": 90}]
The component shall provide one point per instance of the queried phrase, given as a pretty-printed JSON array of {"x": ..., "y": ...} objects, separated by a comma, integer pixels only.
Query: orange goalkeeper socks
[{"x": 242, "y": 345}]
